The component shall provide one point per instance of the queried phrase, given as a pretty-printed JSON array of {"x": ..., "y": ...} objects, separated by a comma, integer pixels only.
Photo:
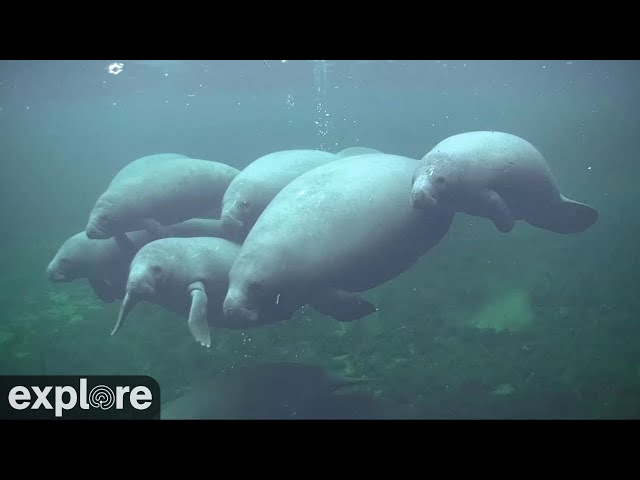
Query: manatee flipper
[
  {"x": 127, "y": 304},
  {"x": 500, "y": 213},
  {"x": 102, "y": 290},
  {"x": 198, "y": 324},
  {"x": 125, "y": 243},
  {"x": 155, "y": 228},
  {"x": 568, "y": 216},
  {"x": 342, "y": 305}
]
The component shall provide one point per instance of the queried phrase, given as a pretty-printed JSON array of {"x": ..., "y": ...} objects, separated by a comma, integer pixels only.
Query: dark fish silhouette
[{"x": 278, "y": 390}]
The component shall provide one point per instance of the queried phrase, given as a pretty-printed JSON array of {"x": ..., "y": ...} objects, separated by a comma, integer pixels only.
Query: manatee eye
[
  {"x": 156, "y": 269},
  {"x": 244, "y": 203},
  {"x": 440, "y": 181}
]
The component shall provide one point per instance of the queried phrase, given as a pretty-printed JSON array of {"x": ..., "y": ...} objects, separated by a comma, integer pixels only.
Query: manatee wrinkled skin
[
  {"x": 188, "y": 276},
  {"x": 339, "y": 229},
  {"x": 105, "y": 263},
  {"x": 158, "y": 190},
  {"x": 257, "y": 184},
  {"x": 498, "y": 176}
]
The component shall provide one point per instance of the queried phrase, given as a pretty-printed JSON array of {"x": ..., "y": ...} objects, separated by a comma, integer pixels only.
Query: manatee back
[
  {"x": 356, "y": 151},
  {"x": 328, "y": 224},
  {"x": 170, "y": 191},
  {"x": 144, "y": 164},
  {"x": 273, "y": 171}
]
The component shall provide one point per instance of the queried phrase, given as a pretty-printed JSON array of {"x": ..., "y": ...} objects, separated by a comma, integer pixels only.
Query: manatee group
[
  {"x": 158, "y": 190},
  {"x": 104, "y": 263},
  {"x": 498, "y": 176},
  {"x": 229, "y": 248},
  {"x": 333, "y": 232}
]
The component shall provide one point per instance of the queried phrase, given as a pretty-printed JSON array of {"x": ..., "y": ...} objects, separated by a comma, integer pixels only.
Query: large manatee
[
  {"x": 159, "y": 190},
  {"x": 499, "y": 176},
  {"x": 105, "y": 263},
  {"x": 339, "y": 229},
  {"x": 256, "y": 185}
]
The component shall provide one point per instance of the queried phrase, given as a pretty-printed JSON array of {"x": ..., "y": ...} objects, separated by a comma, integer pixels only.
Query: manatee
[
  {"x": 105, "y": 263},
  {"x": 159, "y": 190},
  {"x": 335, "y": 231},
  {"x": 272, "y": 390},
  {"x": 188, "y": 276},
  {"x": 498, "y": 176},
  {"x": 256, "y": 185},
  {"x": 356, "y": 151}
]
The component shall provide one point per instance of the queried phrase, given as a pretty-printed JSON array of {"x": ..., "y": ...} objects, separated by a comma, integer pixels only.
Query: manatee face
[
  {"x": 261, "y": 294},
  {"x": 237, "y": 217},
  {"x": 250, "y": 293},
  {"x": 102, "y": 221},
  {"x": 70, "y": 261},
  {"x": 429, "y": 187},
  {"x": 143, "y": 281},
  {"x": 241, "y": 305},
  {"x": 61, "y": 268}
]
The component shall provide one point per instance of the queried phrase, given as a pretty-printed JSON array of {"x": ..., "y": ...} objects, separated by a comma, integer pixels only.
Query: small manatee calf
[
  {"x": 498, "y": 176},
  {"x": 105, "y": 263},
  {"x": 255, "y": 186},
  {"x": 158, "y": 190},
  {"x": 189, "y": 276},
  {"x": 340, "y": 229}
]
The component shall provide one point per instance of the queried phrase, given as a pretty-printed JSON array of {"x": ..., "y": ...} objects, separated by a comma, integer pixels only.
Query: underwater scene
[{"x": 325, "y": 239}]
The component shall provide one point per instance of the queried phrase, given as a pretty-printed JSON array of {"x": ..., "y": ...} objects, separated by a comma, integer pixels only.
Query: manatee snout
[
  {"x": 96, "y": 229},
  {"x": 100, "y": 224},
  {"x": 233, "y": 228},
  {"x": 54, "y": 273},
  {"x": 421, "y": 194},
  {"x": 237, "y": 312},
  {"x": 140, "y": 289}
]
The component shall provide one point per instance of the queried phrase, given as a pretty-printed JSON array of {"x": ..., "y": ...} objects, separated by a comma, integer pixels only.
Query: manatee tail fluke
[
  {"x": 127, "y": 304},
  {"x": 568, "y": 217},
  {"x": 577, "y": 216}
]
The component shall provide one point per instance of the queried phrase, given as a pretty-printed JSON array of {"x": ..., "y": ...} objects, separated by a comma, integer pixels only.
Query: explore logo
[{"x": 79, "y": 397}]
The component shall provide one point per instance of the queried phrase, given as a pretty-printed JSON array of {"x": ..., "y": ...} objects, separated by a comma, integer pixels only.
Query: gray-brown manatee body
[
  {"x": 498, "y": 176},
  {"x": 105, "y": 263},
  {"x": 188, "y": 276},
  {"x": 341, "y": 228},
  {"x": 159, "y": 190},
  {"x": 259, "y": 182}
]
